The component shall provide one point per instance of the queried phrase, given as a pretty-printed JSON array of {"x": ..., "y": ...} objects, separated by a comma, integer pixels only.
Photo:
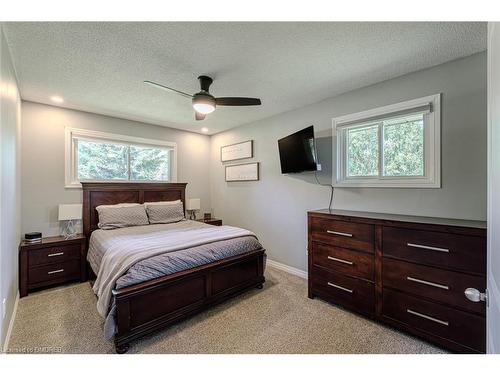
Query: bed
[{"x": 143, "y": 305}]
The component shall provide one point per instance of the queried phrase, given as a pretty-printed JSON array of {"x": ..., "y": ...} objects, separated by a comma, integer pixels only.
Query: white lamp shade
[
  {"x": 193, "y": 204},
  {"x": 70, "y": 211}
]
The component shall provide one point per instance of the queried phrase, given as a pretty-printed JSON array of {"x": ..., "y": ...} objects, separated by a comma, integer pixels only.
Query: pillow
[
  {"x": 121, "y": 215},
  {"x": 164, "y": 212}
]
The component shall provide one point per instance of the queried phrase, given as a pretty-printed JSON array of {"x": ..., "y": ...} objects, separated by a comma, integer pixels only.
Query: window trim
[
  {"x": 432, "y": 146},
  {"x": 70, "y": 180}
]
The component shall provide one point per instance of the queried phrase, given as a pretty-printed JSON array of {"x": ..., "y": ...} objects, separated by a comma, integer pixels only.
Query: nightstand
[
  {"x": 52, "y": 261},
  {"x": 212, "y": 221}
]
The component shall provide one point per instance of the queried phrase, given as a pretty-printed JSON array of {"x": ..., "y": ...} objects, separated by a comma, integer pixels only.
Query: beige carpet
[{"x": 277, "y": 319}]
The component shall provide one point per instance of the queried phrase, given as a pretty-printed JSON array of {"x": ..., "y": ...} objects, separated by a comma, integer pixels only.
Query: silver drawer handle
[
  {"x": 56, "y": 271},
  {"x": 427, "y": 317},
  {"x": 428, "y": 247},
  {"x": 340, "y": 287},
  {"x": 339, "y": 233},
  {"x": 341, "y": 260},
  {"x": 55, "y": 254},
  {"x": 420, "y": 281}
]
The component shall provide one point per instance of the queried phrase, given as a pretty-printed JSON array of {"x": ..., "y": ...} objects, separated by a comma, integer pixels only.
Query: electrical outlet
[
  {"x": 4, "y": 310},
  {"x": 318, "y": 167}
]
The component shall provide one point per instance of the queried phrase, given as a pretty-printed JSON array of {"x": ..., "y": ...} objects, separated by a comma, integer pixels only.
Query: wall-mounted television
[{"x": 298, "y": 152}]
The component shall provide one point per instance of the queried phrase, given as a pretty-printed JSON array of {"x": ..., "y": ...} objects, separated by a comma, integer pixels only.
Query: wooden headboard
[{"x": 97, "y": 193}]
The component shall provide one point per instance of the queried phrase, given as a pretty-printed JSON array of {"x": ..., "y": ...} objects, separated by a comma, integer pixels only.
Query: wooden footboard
[{"x": 147, "y": 307}]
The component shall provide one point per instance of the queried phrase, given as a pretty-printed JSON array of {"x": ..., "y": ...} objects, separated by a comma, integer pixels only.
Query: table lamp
[
  {"x": 192, "y": 206},
  {"x": 70, "y": 212}
]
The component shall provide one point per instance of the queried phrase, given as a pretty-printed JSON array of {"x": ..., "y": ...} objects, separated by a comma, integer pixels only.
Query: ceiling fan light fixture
[
  {"x": 203, "y": 108},
  {"x": 203, "y": 103}
]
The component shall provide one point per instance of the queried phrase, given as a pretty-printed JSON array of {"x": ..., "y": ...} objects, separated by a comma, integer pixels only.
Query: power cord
[{"x": 331, "y": 187}]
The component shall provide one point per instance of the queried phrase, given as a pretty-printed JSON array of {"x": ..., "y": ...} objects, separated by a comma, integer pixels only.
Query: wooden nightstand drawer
[
  {"x": 55, "y": 254},
  {"x": 57, "y": 271}
]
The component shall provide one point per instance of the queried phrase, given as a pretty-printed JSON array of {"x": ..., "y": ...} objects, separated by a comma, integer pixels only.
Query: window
[
  {"x": 393, "y": 146},
  {"x": 97, "y": 156}
]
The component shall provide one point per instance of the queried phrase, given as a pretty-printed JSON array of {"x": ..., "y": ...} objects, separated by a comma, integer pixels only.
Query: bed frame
[{"x": 147, "y": 307}]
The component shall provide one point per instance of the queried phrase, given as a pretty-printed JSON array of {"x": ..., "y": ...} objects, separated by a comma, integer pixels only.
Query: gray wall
[
  {"x": 10, "y": 223},
  {"x": 43, "y": 159},
  {"x": 275, "y": 207}
]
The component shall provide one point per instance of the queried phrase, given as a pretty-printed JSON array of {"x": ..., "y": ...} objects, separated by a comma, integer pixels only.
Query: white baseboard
[
  {"x": 11, "y": 325},
  {"x": 286, "y": 268}
]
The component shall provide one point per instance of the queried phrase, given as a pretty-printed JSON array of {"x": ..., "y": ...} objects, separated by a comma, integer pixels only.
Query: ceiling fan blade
[
  {"x": 236, "y": 101},
  {"x": 157, "y": 85},
  {"x": 199, "y": 116}
]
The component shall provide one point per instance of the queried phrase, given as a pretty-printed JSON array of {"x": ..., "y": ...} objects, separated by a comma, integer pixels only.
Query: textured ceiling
[{"x": 99, "y": 67}]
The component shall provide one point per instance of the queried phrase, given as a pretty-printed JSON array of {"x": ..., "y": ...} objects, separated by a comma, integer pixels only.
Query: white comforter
[{"x": 138, "y": 243}]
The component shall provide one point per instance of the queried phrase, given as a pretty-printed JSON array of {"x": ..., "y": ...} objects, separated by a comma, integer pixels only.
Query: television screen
[{"x": 297, "y": 152}]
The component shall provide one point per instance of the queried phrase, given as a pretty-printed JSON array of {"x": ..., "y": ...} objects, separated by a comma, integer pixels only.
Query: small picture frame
[
  {"x": 242, "y": 172},
  {"x": 237, "y": 151}
]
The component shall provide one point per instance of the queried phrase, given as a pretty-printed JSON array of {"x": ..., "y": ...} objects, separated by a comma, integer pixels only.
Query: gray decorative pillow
[
  {"x": 121, "y": 215},
  {"x": 165, "y": 212}
]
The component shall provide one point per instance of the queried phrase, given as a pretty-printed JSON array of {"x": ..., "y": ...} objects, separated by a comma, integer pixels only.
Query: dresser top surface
[{"x": 405, "y": 218}]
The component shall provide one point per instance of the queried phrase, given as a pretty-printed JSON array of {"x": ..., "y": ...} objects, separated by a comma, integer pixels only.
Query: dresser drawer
[
  {"x": 343, "y": 233},
  {"x": 55, "y": 254},
  {"x": 439, "y": 285},
  {"x": 466, "y": 253},
  {"x": 438, "y": 320},
  {"x": 349, "y": 262},
  {"x": 356, "y": 294},
  {"x": 56, "y": 271}
]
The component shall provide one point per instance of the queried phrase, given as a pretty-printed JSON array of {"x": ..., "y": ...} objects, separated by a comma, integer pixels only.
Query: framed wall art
[
  {"x": 237, "y": 151},
  {"x": 242, "y": 172}
]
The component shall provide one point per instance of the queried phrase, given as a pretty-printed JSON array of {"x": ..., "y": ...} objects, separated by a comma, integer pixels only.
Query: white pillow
[
  {"x": 164, "y": 212},
  {"x": 121, "y": 215}
]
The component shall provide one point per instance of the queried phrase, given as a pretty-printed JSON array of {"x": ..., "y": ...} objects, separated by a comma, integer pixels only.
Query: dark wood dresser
[
  {"x": 52, "y": 261},
  {"x": 406, "y": 271}
]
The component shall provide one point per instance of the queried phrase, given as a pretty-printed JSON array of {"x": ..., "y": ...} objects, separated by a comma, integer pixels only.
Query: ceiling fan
[{"x": 205, "y": 103}]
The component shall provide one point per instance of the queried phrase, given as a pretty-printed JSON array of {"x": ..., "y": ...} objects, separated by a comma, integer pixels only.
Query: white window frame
[
  {"x": 70, "y": 160},
  {"x": 432, "y": 146}
]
